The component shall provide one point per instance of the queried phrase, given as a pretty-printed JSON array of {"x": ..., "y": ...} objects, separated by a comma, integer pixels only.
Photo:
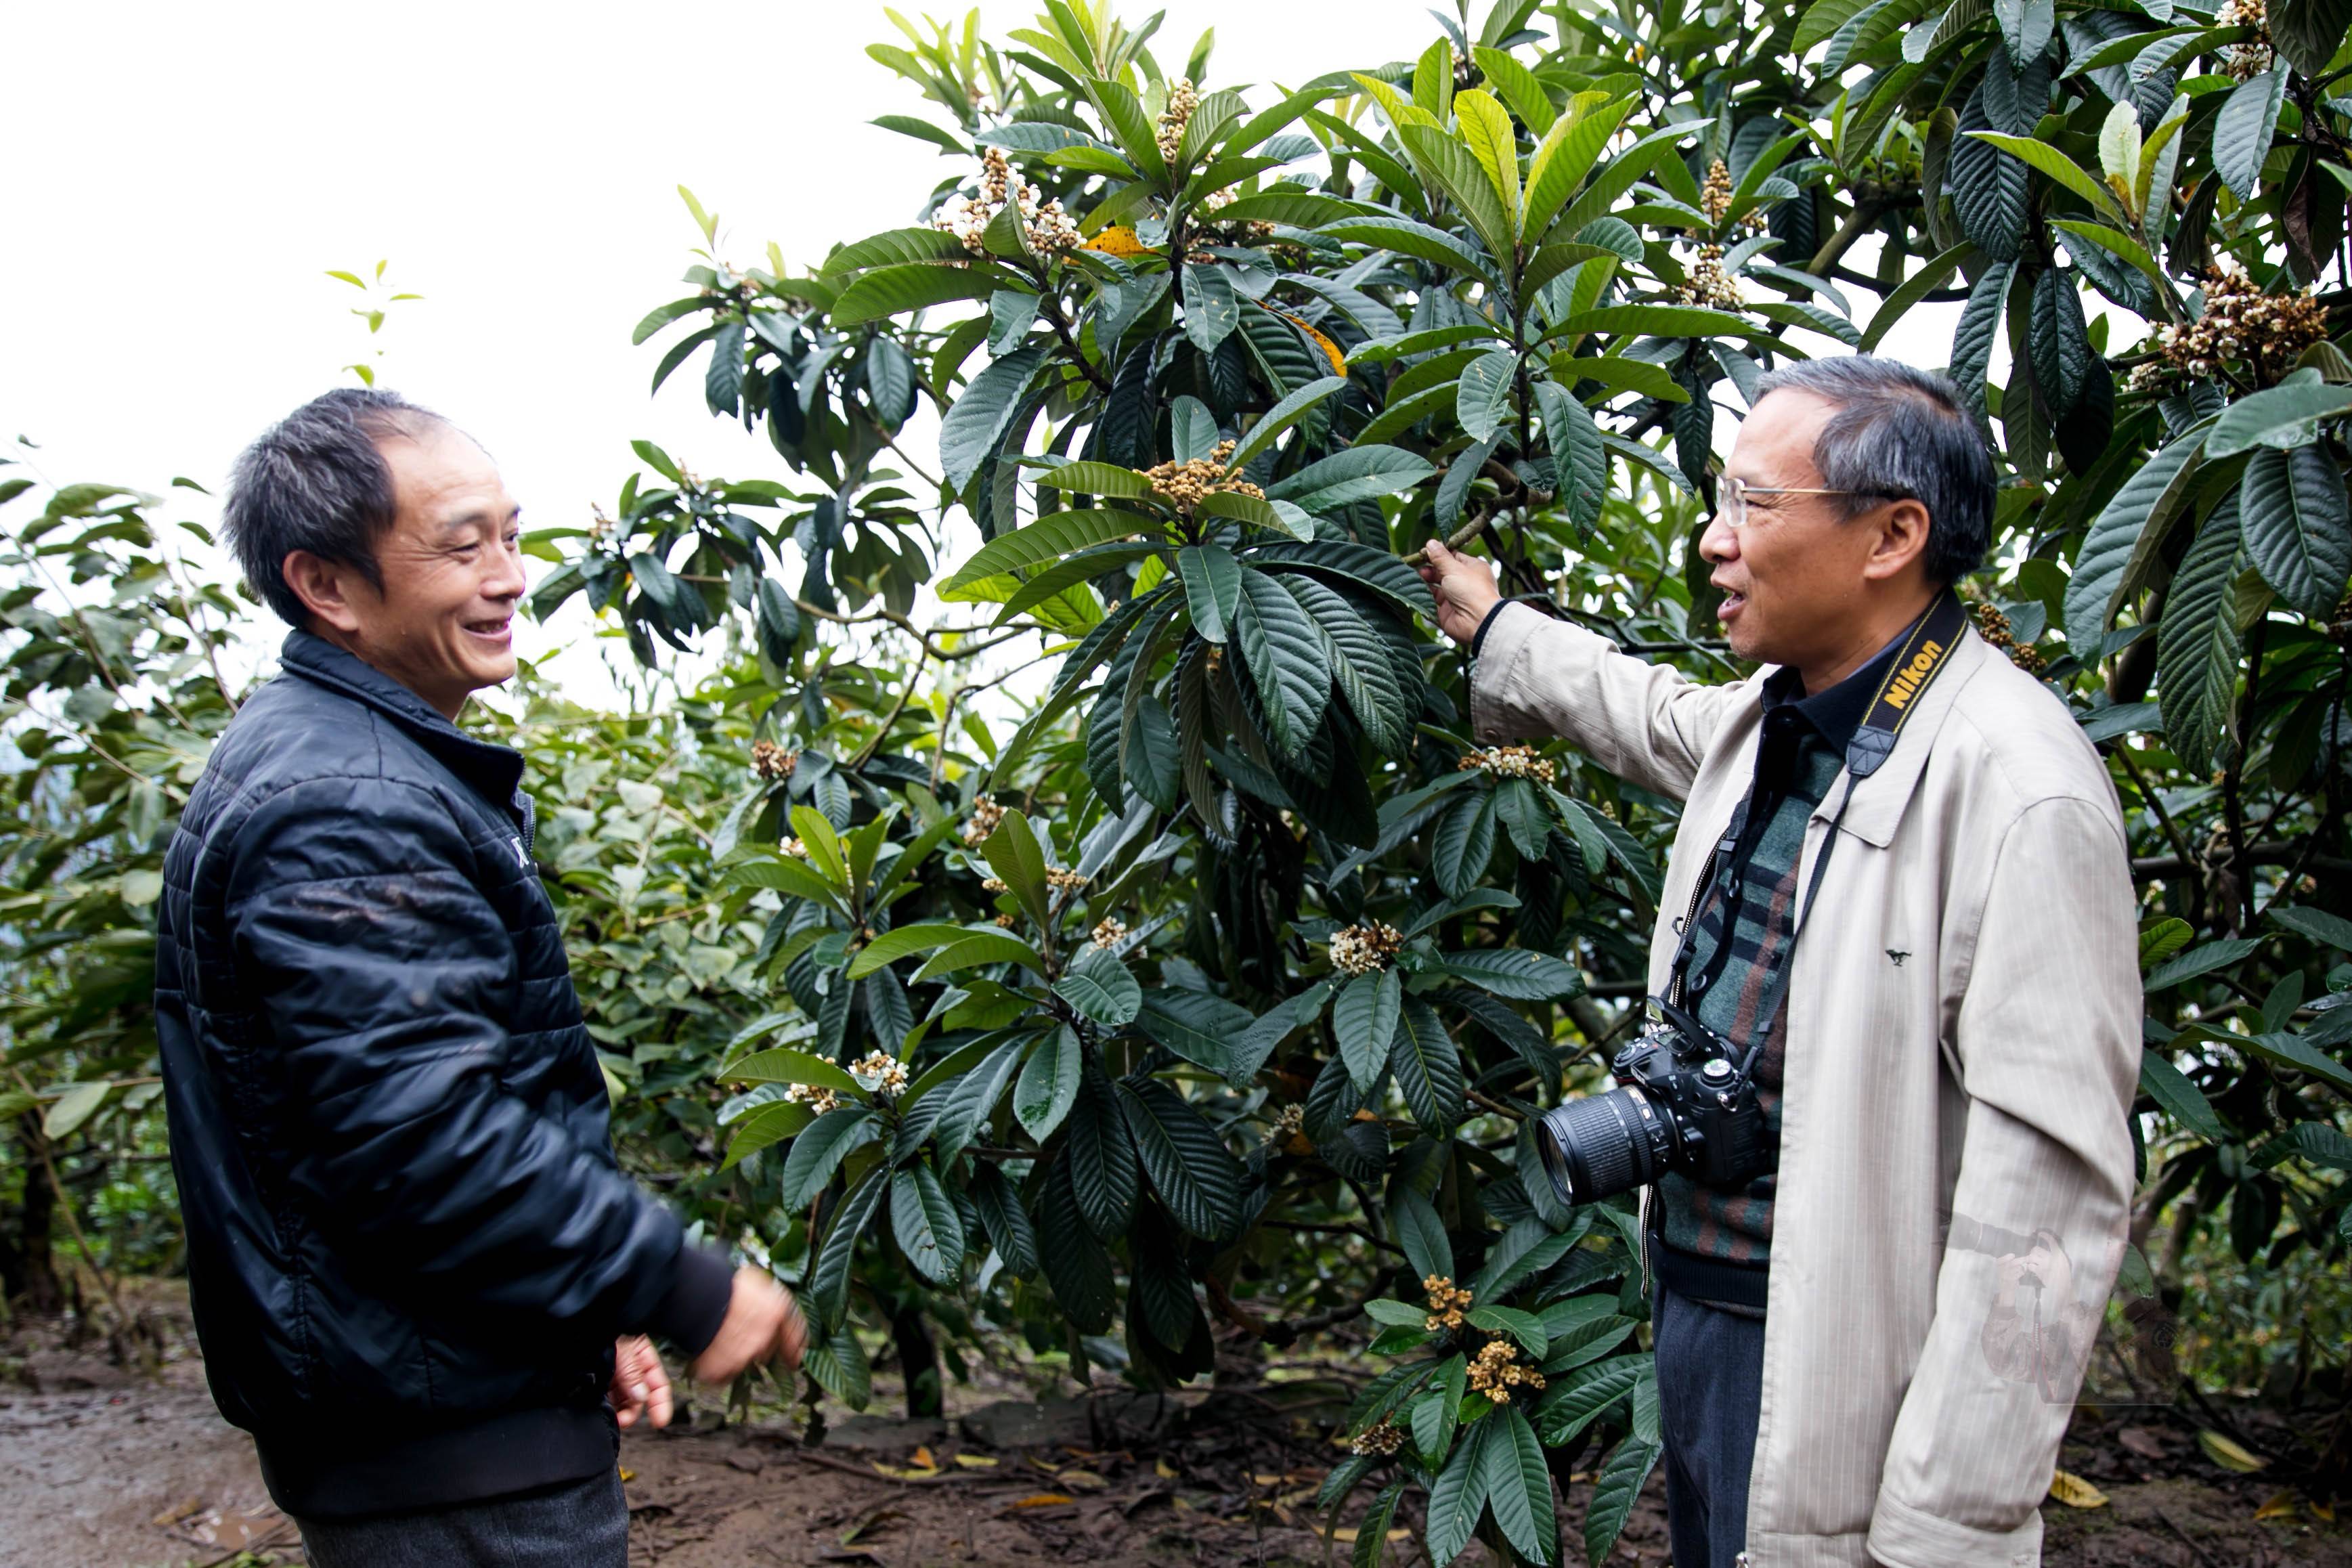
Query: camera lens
[{"x": 1601, "y": 1145}]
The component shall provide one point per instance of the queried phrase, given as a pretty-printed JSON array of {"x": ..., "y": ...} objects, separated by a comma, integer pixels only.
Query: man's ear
[
  {"x": 1901, "y": 540},
  {"x": 325, "y": 587}
]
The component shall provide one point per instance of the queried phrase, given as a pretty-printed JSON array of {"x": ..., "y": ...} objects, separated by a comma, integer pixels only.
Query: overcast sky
[{"x": 183, "y": 176}]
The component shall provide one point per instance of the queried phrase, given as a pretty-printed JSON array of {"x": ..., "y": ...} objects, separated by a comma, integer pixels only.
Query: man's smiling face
[{"x": 451, "y": 569}]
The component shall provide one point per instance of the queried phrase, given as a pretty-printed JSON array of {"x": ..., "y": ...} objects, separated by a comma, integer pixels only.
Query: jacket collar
[
  {"x": 495, "y": 770},
  {"x": 1879, "y": 800}
]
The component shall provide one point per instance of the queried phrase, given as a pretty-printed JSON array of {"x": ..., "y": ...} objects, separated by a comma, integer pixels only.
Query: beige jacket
[{"x": 1964, "y": 1039}]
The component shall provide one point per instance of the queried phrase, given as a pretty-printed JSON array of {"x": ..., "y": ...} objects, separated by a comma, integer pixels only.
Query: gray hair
[
  {"x": 316, "y": 482},
  {"x": 1901, "y": 433}
]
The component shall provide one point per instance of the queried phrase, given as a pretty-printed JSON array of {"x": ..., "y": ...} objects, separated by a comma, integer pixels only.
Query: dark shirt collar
[
  {"x": 1837, "y": 714},
  {"x": 494, "y": 769}
]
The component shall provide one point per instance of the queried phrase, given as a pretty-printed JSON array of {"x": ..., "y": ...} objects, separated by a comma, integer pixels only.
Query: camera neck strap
[{"x": 1923, "y": 651}]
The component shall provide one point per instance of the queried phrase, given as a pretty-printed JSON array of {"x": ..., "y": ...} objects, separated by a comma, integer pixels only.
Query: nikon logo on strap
[{"x": 1925, "y": 649}]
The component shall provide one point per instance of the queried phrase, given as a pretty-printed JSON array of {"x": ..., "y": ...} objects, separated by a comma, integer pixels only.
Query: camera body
[{"x": 1685, "y": 1102}]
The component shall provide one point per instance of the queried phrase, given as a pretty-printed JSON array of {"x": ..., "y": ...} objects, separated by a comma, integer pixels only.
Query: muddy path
[{"x": 101, "y": 1468}]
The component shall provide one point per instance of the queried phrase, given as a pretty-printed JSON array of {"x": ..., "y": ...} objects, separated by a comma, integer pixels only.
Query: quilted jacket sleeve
[
  {"x": 1644, "y": 722},
  {"x": 384, "y": 976}
]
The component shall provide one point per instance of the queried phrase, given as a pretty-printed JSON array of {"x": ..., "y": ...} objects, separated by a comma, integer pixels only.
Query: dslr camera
[{"x": 1683, "y": 1103}]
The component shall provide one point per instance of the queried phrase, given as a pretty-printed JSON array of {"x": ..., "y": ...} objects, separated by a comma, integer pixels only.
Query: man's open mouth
[{"x": 489, "y": 628}]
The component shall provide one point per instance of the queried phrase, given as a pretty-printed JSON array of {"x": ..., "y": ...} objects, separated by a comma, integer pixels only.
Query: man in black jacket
[{"x": 419, "y": 1276}]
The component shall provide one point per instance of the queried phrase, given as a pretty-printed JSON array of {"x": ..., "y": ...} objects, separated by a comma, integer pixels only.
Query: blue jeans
[
  {"x": 582, "y": 1524},
  {"x": 1710, "y": 1389}
]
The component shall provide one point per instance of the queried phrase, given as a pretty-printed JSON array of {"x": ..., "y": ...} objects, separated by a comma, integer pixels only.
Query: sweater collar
[{"x": 494, "y": 769}]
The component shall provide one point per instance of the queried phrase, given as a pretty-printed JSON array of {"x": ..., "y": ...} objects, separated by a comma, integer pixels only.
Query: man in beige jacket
[{"x": 1947, "y": 1061}]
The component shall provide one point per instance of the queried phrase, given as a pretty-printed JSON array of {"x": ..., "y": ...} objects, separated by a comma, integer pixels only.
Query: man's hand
[
  {"x": 762, "y": 1322},
  {"x": 640, "y": 1383},
  {"x": 1465, "y": 591}
]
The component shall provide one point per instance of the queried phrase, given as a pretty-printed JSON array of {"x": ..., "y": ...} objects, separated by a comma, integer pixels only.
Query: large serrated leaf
[
  {"x": 1459, "y": 1496},
  {"x": 1099, "y": 985},
  {"x": 1621, "y": 1483},
  {"x": 1483, "y": 394},
  {"x": 2297, "y": 523},
  {"x": 1517, "y": 1484},
  {"x": 1987, "y": 185},
  {"x": 2149, "y": 499},
  {"x": 2177, "y": 1097},
  {"x": 1048, "y": 1085},
  {"x": 828, "y": 1289},
  {"x": 1075, "y": 1264},
  {"x": 819, "y": 1151},
  {"x": 2198, "y": 645},
  {"x": 924, "y": 1219},
  {"x": 1515, "y": 972},
  {"x": 978, "y": 420},
  {"x": 1366, "y": 676},
  {"x": 1364, "y": 1018},
  {"x": 1428, "y": 1066},
  {"x": 1195, "y": 1175},
  {"x": 895, "y": 290},
  {"x": 1101, "y": 1158},
  {"x": 2243, "y": 131},
  {"x": 1284, "y": 654},
  {"x": 1051, "y": 537}
]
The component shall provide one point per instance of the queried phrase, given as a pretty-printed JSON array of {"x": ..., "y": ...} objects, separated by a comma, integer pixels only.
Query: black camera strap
[{"x": 1926, "y": 648}]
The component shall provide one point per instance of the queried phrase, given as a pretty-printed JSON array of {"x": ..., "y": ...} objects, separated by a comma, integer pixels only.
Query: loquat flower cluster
[
  {"x": 1509, "y": 762},
  {"x": 1447, "y": 1302},
  {"x": 1365, "y": 948},
  {"x": 771, "y": 760},
  {"x": 1498, "y": 1370}
]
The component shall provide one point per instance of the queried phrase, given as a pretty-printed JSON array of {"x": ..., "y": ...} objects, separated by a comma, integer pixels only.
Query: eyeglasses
[{"x": 1731, "y": 498}]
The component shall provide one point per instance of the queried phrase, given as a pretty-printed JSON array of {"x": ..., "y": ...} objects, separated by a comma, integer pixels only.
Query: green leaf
[
  {"x": 898, "y": 944},
  {"x": 2309, "y": 32},
  {"x": 1048, "y": 1085},
  {"x": 2058, "y": 342},
  {"x": 2042, "y": 155},
  {"x": 1483, "y": 396},
  {"x": 1189, "y": 1165},
  {"x": 977, "y": 421},
  {"x": 66, "y": 1113},
  {"x": 977, "y": 947},
  {"x": 2329, "y": 930},
  {"x": 1211, "y": 311},
  {"x": 1101, "y": 1158},
  {"x": 2299, "y": 525},
  {"x": 1574, "y": 1403},
  {"x": 1285, "y": 656},
  {"x": 1428, "y": 1066},
  {"x": 1407, "y": 237},
  {"x": 1605, "y": 193},
  {"x": 769, "y": 1124},
  {"x": 2148, "y": 499},
  {"x": 836, "y": 1363},
  {"x": 1018, "y": 861},
  {"x": 1517, "y": 1484},
  {"x": 1515, "y": 972},
  {"x": 1195, "y": 1025},
  {"x": 1486, "y": 129},
  {"x": 1416, "y": 1227},
  {"x": 2285, "y": 417},
  {"x": 1464, "y": 842},
  {"x": 1620, "y": 1481},
  {"x": 2199, "y": 961},
  {"x": 1283, "y": 415},
  {"x": 1567, "y": 154},
  {"x": 2197, "y": 646},
  {"x": 790, "y": 1066},
  {"x": 1006, "y": 1221},
  {"x": 2243, "y": 131},
  {"x": 1980, "y": 324},
  {"x": 1619, "y": 374},
  {"x": 2177, "y": 1097},
  {"x": 817, "y": 1153},
  {"x": 1458, "y": 1496},
  {"x": 895, "y": 290},
  {"x": 1099, "y": 985},
  {"x": 1657, "y": 321},
  {"x": 1578, "y": 453},
  {"x": 896, "y": 246},
  {"x": 1359, "y": 473},
  {"x": 2114, "y": 242},
  {"x": 924, "y": 1219},
  {"x": 2025, "y": 25},
  {"x": 1364, "y": 1019},
  {"x": 1051, "y": 537},
  {"x": 1362, "y": 667},
  {"x": 1097, "y": 480},
  {"x": 1075, "y": 1264},
  {"x": 2293, "y": 1052},
  {"x": 1527, "y": 1249},
  {"x": 1524, "y": 1327}
]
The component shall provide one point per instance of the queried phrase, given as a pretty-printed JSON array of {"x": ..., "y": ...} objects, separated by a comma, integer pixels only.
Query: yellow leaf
[
  {"x": 2280, "y": 1505},
  {"x": 1085, "y": 1481},
  {"x": 1269, "y": 1480},
  {"x": 2326, "y": 1511},
  {"x": 2075, "y": 1491},
  {"x": 2229, "y": 1455},
  {"x": 1117, "y": 240},
  {"x": 1331, "y": 350},
  {"x": 1044, "y": 1500},
  {"x": 975, "y": 1461},
  {"x": 923, "y": 1460},
  {"x": 1166, "y": 1471},
  {"x": 627, "y": 1474}
]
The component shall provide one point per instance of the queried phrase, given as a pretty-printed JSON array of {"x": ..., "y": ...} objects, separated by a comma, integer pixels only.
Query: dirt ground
[{"x": 107, "y": 1469}]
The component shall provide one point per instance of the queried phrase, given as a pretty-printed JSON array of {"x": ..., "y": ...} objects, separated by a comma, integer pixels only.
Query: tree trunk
[
  {"x": 27, "y": 1268},
  {"x": 919, "y": 1359}
]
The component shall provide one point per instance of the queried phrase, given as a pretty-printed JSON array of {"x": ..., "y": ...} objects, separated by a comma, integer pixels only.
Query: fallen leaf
[
  {"x": 1269, "y": 1480},
  {"x": 180, "y": 1510},
  {"x": 2229, "y": 1455},
  {"x": 1044, "y": 1500},
  {"x": 2075, "y": 1491},
  {"x": 1085, "y": 1481},
  {"x": 2326, "y": 1511},
  {"x": 2141, "y": 1441},
  {"x": 2280, "y": 1505},
  {"x": 975, "y": 1461},
  {"x": 627, "y": 1474},
  {"x": 923, "y": 1460}
]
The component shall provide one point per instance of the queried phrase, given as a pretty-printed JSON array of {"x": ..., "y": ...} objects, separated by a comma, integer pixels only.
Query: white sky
[{"x": 184, "y": 175}]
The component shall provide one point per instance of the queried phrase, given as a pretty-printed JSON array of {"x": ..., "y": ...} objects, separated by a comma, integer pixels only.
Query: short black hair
[
  {"x": 317, "y": 480},
  {"x": 1901, "y": 432}
]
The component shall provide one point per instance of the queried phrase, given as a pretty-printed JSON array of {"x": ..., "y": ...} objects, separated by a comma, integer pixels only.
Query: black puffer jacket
[{"x": 409, "y": 1245}]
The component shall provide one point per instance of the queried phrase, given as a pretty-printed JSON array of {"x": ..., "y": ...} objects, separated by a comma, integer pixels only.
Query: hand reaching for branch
[{"x": 1465, "y": 591}]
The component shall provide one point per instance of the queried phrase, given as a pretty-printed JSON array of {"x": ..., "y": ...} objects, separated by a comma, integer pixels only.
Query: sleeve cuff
[
  {"x": 689, "y": 1316},
  {"x": 1478, "y": 639}
]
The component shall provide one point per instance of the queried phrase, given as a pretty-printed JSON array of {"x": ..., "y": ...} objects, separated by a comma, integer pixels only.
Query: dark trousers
[
  {"x": 1710, "y": 1386},
  {"x": 582, "y": 1524}
]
